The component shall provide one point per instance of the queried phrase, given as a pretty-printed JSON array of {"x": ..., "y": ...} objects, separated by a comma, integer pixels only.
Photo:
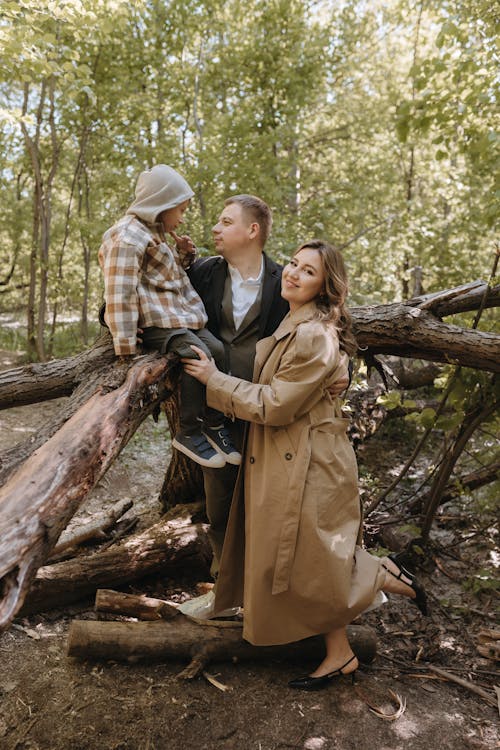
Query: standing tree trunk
[{"x": 39, "y": 259}]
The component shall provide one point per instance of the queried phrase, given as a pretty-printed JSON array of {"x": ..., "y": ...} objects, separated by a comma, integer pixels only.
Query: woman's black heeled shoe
[
  {"x": 420, "y": 597},
  {"x": 318, "y": 683}
]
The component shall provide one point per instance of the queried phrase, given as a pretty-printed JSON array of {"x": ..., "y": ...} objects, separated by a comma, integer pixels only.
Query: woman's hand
[{"x": 201, "y": 368}]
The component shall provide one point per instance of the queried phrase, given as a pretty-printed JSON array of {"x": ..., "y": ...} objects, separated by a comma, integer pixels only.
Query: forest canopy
[{"x": 370, "y": 124}]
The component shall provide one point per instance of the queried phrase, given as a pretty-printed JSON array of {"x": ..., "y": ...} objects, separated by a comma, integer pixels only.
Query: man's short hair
[{"x": 257, "y": 209}]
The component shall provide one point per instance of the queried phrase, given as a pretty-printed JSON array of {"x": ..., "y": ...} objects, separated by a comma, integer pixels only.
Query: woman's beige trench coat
[{"x": 290, "y": 555}]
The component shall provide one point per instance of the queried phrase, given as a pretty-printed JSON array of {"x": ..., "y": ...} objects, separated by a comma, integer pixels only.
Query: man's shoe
[
  {"x": 202, "y": 608},
  {"x": 198, "y": 448},
  {"x": 221, "y": 439}
]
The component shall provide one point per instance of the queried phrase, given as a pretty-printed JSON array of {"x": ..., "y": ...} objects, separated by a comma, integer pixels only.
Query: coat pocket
[
  {"x": 333, "y": 475},
  {"x": 285, "y": 447}
]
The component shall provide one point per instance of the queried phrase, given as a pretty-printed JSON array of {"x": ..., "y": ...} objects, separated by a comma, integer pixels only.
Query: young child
[{"x": 146, "y": 287}]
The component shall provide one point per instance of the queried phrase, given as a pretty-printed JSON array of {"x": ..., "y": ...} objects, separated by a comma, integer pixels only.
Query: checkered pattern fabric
[{"x": 145, "y": 283}]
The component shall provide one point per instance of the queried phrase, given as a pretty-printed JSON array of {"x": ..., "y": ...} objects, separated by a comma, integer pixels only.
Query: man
[{"x": 241, "y": 291}]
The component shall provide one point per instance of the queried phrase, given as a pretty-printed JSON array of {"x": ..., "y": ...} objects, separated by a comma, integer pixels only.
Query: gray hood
[{"x": 157, "y": 190}]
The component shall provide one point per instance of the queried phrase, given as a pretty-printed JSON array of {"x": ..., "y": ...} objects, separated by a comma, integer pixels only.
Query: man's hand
[
  {"x": 342, "y": 382},
  {"x": 184, "y": 243},
  {"x": 338, "y": 387}
]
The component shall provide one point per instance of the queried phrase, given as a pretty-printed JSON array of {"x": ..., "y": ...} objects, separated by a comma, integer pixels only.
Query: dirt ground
[{"x": 51, "y": 702}]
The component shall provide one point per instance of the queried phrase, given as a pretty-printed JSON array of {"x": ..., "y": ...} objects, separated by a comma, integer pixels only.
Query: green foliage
[
  {"x": 372, "y": 124},
  {"x": 390, "y": 400},
  {"x": 482, "y": 581},
  {"x": 424, "y": 418}
]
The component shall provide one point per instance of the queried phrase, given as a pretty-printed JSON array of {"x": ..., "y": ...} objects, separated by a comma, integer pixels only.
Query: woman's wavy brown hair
[{"x": 331, "y": 302}]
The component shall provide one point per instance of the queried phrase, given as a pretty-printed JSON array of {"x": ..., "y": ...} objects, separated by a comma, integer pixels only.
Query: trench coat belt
[{"x": 290, "y": 527}]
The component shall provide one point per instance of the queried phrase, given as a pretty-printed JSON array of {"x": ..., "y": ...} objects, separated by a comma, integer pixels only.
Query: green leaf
[
  {"x": 409, "y": 403},
  {"x": 449, "y": 422},
  {"x": 426, "y": 417},
  {"x": 390, "y": 400}
]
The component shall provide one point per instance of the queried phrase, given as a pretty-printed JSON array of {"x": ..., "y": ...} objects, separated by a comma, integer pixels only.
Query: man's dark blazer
[{"x": 208, "y": 276}]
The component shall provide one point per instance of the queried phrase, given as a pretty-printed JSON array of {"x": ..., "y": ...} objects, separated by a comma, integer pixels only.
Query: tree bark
[
  {"x": 134, "y": 605},
  {"x": 183, "y": 480},
  {"x": 39, "y": 498},
  {"x": 91, "y": 376},
  {"x": 178, "y": 541},
  {"x": 96, "y": 528},
  {"x": 408, "y": 329},
  {"x": 200, "y": 643},
  {"x": 59, "y": 377}
]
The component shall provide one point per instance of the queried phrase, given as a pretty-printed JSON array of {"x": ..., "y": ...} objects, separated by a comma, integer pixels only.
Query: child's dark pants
[{"x": 193, "y": 393}]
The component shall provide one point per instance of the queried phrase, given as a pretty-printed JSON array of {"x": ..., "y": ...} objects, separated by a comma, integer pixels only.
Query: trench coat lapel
[{"x": 285, "y": 328}]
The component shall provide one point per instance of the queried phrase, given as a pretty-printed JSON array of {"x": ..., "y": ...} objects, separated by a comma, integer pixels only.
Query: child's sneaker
[
  {"x": 198, "y": 448},
  {"x": 221, "y": 439}
]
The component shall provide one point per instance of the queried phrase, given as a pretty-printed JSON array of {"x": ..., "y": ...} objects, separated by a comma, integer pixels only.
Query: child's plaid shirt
[{"x": 145, "y": 283}]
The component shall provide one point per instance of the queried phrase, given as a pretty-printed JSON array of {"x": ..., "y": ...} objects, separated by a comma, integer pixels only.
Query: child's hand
[
  {"x": 184, "y": 243},
  {"x": 201, "y": 368}
]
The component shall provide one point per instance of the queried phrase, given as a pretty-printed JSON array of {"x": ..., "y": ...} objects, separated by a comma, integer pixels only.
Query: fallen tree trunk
[
  {"x": 183, "y": 639},
  {"x": 39, "y": 499},
  {"x": 58, "y": 377},
  {"x": 176, "y": 542},
  {"x": 95, "y": 529},
  {"x": 409, "y": 329},
  {"x": 108, "y": 378}
]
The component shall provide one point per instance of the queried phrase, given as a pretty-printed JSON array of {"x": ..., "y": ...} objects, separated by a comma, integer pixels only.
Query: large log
[
  {"x": 39, "y": 499},
  {"x": 409, "y": 329},
  {"x": 183, "y": 639},
  {"x": 58, "y": 377},
  {"x": 177, "y": 542},
  {"x": 103, "y": 379}
]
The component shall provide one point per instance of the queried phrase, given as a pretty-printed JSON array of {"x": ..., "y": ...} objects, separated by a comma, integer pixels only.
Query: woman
[{"x": 291, "y": 553}]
